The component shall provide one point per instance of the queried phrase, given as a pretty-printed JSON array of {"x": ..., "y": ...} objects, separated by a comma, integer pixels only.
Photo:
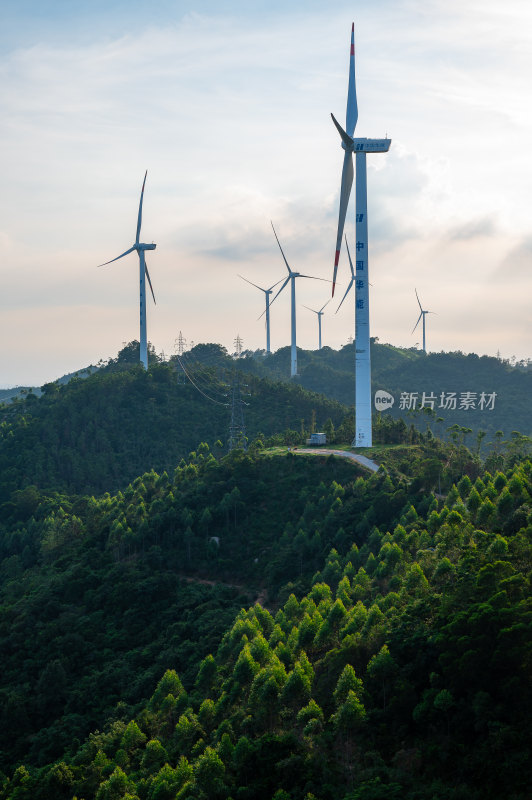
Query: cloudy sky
[{"x": 227, "y": 105}]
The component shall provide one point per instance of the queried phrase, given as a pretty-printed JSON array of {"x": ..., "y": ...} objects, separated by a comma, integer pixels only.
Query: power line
[
  {"x": 197, "y": 387},
  {"x": 203, "y": 379},
  {"x": 201, "y": 376}
]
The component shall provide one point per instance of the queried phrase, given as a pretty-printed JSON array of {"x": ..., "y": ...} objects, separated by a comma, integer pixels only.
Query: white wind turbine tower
[
  {"x": 351, "y": 281},
  {"x": 421, "y": 317},
  {"x": 267, "y": 293},
  {"x": 143, "y": 274},
  {"x": 320, "y": 315},
  {"x": 292, "y": 278},
  {"x": 363, "y": 436}
]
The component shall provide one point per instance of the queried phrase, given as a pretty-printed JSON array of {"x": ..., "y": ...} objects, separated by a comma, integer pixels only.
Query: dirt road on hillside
[{"x": 362, "y": 460}]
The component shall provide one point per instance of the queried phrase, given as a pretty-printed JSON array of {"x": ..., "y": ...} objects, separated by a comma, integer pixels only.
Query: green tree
[
  {"x": 133, "y": 737},
  {"x": 115, "y": 787},
  {"x": 346, "y": 683},
  {"x": 328, "y": 429},
  {"x": 297, "y": 687},
  {"x": 154, "y": 756},
  {"x": 206, "y": 673},
  {"x": 246, "y": 667},
  {"x": 381, "y": 668},
  {"x": 311, "y": 718},
  {"x": 443, "y": 702},
  {"x": 209, "y": 772}
]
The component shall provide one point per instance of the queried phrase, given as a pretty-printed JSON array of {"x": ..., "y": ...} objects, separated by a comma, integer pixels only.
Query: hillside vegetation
[
  {"x": 332, "y": 373},
  {"x": 100, "y": 433},
  {"x": 389, "y": 655}
]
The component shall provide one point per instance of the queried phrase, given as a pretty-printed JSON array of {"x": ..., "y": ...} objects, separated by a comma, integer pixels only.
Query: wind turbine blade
[
  {"x": 313, "y": 278},
  {"x": 326, "y": 304},
  {"x": 345, "y": 295},
  {"x": 116, "y": 259},
  {"x": 149, "y": 281},
  {"x": 417, "y": 323},
  {"x": 345, "y": 191},
  {"x": 351, "y": 115},
  {"x": 346, "y": 139},
  {"x": 350, "y": 262},
  {"x": 139, "y": 221},
  {"x": 281, "y": 249},
  {"x": 310, "y": 309},
  {"x": 280, "y": 290},
  {"x": 418, "y": 302},
  {"x": 275, "y": 284},
  {"x": 254, "y": 284}
]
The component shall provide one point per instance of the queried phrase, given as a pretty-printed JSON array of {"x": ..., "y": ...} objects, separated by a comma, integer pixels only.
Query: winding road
[{"x": 362, "y": 460}]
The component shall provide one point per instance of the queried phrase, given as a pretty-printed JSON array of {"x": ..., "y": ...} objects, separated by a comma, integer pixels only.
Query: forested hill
[
  {"x": 397, "y": 371},
  {"x": 97, "y": 434},
  {"x": 388, "y": 655}
]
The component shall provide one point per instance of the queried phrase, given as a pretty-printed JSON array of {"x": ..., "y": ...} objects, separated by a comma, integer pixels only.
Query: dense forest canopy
[
  {"x": 97, "y": 434},
  {"x": 389, "y": 638}
]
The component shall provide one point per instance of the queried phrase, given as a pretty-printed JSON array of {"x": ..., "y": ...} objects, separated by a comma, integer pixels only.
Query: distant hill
[
  {"x": 97, "y": 434},
  {"x": 7, "y": 395},
  {"x": 397, "y": 371}
]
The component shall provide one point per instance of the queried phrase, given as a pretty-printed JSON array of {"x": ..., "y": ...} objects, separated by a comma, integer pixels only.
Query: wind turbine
[
  {"x": 421, "y": 317},
  {"x": 267, "y": 293},
  {"x": 320, "y": 315},
  {"x": 363, "y": 436},
  {"x": 143, "y": 274},
  {"x": 292, "y": 278}
]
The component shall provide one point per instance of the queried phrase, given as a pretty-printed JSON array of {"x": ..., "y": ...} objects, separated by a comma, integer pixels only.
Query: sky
[{"x": 227, "y": 105}]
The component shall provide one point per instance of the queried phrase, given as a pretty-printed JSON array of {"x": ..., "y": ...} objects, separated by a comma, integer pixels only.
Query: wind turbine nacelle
[
  {"x": 371, "y": 145},
  {"x": 148, "y": 246}
]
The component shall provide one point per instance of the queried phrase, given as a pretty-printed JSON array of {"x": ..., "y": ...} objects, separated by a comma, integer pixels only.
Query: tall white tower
[{"x": 363, "y": 435}]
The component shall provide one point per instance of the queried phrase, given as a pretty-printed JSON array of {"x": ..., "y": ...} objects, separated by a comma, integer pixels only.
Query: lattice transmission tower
[
  {"x": 238, "y": 345},
  {"x": 180, "y": 344},
  {"x": 237, "y": 428},
  {"x": 179, "y": 348}
]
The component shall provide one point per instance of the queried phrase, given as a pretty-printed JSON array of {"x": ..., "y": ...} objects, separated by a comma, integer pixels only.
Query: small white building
[{"x": 317, "y": 439}]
